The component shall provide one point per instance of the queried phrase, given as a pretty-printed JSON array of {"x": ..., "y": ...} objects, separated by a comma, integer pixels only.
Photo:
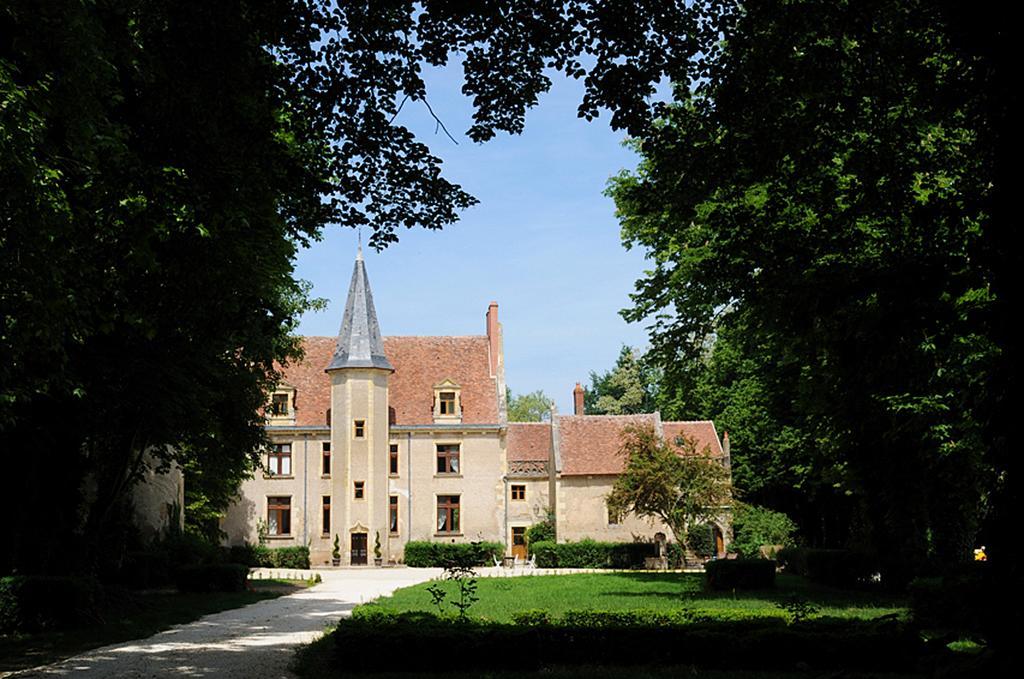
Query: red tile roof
[
  {"x": 420, "y": 363},
  {"x": 702, "y": 432},
  {"x": 589, "y": 444},
  {"x": 529, "y": 441}
]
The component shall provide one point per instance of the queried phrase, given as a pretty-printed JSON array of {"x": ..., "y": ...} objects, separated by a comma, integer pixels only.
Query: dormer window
[
  {"x": 447, "y": 402},
  {"x": 279, "y": 405},
  {"x": 282, "y": 405}
]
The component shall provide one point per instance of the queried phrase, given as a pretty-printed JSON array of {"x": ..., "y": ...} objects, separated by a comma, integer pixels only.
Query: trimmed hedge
[
  {"x": 960, "y": 601},
  {"x": 592, "y": 554},
  {"x": 30, "y": 603},
  {"x": 256, "y": 556},
  {"x": 221, "y": 577},
  {"x": 835, "y": 567},
  {"x": 740, "y": 574},
  {"x": 424, "y": 554},
  {"x": 615, "y": 638}
]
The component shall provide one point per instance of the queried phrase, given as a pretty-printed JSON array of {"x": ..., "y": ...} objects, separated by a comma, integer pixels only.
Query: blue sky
[{"x": 543, "y": 242}]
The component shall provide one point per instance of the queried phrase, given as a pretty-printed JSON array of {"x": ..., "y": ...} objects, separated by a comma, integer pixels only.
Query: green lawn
[
  {"x": 501, "y": 597},
  {"x": 131, "y": 615}
]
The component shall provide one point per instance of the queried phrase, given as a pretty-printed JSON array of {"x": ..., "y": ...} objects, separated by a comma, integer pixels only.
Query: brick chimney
[
  {"x": 577, "y": 399},
  {"x": 493, "y": 335}
]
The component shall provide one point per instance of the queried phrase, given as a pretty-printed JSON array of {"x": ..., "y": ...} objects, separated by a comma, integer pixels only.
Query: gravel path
[{"x": 257, "y": 641}]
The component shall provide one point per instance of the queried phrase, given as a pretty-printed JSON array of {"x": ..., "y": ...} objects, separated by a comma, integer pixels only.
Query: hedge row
[
  {"x": 424, "y": 554},
  {"x": 592, "y": 554},
  {"x": 30, "y": 603},
  {"x": 740, "y": 574},
  {"x": 622, "y": 638},
  {"x": 221, "y": 577},
  {"x": 257, "y": 556},
  {"x": 836, "y": 567},
  {"x": 958, "y": 601}
]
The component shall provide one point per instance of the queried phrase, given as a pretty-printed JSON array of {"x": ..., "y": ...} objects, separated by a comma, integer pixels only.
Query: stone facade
[{"x": 407, "y": 438}]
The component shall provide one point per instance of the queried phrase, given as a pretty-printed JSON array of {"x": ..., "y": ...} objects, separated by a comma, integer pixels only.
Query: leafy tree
[
  {"x": 628, "y": 388},
  {"x": 532, "y": 407},
  {"x": 161, "y": 163},
  {"x": 829, "y": 183},
  {"x": 682, "y": 486}
]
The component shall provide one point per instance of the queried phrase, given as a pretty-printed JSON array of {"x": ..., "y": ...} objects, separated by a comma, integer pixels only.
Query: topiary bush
[
  {"x": 33, "y": 603},
  {"x": 426, "y": 554},
  {"x": 740, "y": 574},
  {"x": 222, "y": 577}
]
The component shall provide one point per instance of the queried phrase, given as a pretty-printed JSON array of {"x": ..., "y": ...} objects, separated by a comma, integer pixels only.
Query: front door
[
  {"x": 519, "y": 542},
  {"x": 358, "y": 549}
]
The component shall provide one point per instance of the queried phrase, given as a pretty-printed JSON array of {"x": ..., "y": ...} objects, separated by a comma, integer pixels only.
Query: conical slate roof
[{"x": 359, "y": 342}]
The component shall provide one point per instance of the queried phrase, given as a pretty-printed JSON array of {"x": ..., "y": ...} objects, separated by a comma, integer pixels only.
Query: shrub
[
  {"x": 540, "y": 532},
  {"x": 959, "y": 601},
  {"x": 598, "y": 638},
  {"x": 146, "y": 569},
  {"x": 676, "y": 555},
  {"x": 592, "y": 554},
  {"x": 222, "y": 577},
  {"x": 793, "y": 560},
  {"x": 290, "y": 557},
  {"x": 702, "y": 540},
  {"x": 740, "y": 574},
  {"x": 754, "y": 526},
  {"x": 30, "y": 603},
  {"x": 256, "y": 556},
  {"x": 425, "y": 554}
]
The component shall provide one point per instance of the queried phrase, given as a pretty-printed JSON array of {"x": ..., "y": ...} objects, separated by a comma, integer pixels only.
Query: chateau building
[{"x": 407, "y": 438}]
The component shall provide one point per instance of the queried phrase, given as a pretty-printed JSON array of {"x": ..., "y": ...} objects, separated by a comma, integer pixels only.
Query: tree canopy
[
  {"x": 630, "y": 387},
  {"x": 818, "y": 214},
  {"x": 532, "y": 407}
]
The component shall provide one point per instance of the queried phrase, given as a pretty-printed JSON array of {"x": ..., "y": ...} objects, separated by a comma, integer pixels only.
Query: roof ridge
[
  {"x": 688, "y": 422},
  {"x": 608, "y": 417}
]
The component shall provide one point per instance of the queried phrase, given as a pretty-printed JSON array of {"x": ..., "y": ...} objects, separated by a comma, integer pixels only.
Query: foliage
[
  {"x": 702, "y": 540},
  {"x": 799, "y": 609},
  {"x": 336, "y": 549},
  {"x": 465, "y": 581},
  {"x": 533, "y": 407},
  {"x": 425, "y": 554},
  {"x": 628, "y": 388},
  {"x": 540, "y": 532},
  {"x": 680, "y": 487},
  {"x": 836, "y": 567},
  {"x": 824, "y": 200},
  {"x": 154, "y": 152},
  {"x": 256, "y": 556},
  {"x": 589, "y": 553},
  {"x": 31, "y": 603},
  {"x": 958, "y": 601},
  {"x": 602, "y": 638},
  {"x": 754, "y": 526},
  {"x": 726, "y": 574},
  {"x": 376, "y": 545},
  {"x": 219, "y": 577}
]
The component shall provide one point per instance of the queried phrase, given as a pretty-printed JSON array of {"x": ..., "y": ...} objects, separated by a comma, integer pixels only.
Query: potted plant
[
  {"x": 336, "y": 552},
  {"x": 377, "y": 560}
]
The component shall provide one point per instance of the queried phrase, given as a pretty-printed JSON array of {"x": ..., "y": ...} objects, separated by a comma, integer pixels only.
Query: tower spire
[{"x": 360, "y": 344}]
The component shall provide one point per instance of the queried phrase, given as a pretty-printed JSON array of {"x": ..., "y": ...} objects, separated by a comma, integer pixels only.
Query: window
[
  {"x": 359, "y": 429},
  {"x": 360, "y": 490},
  {"x": 393, "y": 514},
  {"x": 518, "y": 492},
  {"x": 393, "y": 459},
  {"x": 613, "y": 518},
  {"x": 279, "y": 405},
  {"x": 279, "y": 460},
  {"x": 447, "y": 513},
  {"x": 279, "y": 515},
  {"x": 447, "y": 402},
  {"x": 448, "y": 458},
  {"x": 325, "y": 459},
  {"x": 327, "y": 515}
]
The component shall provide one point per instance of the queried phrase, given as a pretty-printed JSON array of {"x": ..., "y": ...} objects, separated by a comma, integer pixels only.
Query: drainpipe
[
  {"x": 508, "y": 548},
  {"x": 408, "y": 483},
  {"x": 305, "y": 489}
]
